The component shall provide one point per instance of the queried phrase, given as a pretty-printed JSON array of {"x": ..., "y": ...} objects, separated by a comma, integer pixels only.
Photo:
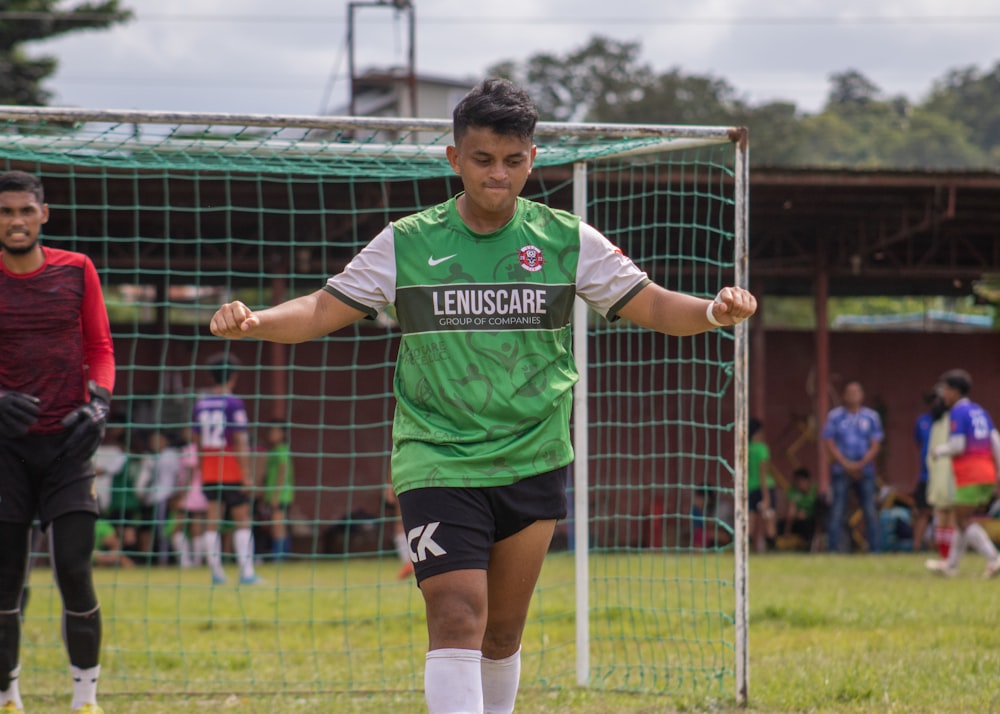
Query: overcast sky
[{"x": 290, "y": 57}]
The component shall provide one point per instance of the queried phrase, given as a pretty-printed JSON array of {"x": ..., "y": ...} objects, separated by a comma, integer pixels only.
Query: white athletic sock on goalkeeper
[
  {"x": 13, "y": 693},
  {"x": 84, "y": 685},
  {"x": 453, "y": 682},
  {"x": 500, "y": 680}
]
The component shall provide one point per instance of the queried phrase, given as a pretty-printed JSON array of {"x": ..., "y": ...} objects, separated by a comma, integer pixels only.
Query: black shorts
[
  {"x": 920, "y": 496},
  {"x": 37, "y": 480},
  {"x": 756, "y": 497},
  {"x": 455, "y": 528},
  {"x": 230, "y": 495}
]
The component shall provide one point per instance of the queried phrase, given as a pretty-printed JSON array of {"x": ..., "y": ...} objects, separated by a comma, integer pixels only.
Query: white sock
[
  {"x": 199, "y": 547},
  {"x": 453, "y": 682},
  {"x": 402, "y": 547},
  {"x": 500, "y": 680},
  {"x": 958, "y": 544},
  {"x": 182, "y": 546},
  {"x": 977, "y": 537},
  {"x": 84, "y": 685},
  {"x": 243, "y": 545},
  {"x": 12, "y": 693},
  {"x": 213, "y": 553}
]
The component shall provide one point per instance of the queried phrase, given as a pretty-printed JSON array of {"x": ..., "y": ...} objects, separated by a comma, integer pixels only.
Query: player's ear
[
  {"x": 45, "y": 213},
  {"x": 452, "y": 153}
]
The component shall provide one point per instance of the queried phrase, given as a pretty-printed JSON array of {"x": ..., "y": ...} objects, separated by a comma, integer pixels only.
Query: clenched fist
[{"x": 233, "y": 320}]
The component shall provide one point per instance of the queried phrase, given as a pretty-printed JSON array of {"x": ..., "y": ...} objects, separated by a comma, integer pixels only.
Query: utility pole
[{"x": 411, "y": 66}]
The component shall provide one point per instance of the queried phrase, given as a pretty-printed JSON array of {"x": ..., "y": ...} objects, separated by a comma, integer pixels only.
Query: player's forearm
[
  {"x": 298, "y": 320},
  {"x": 953, "y": 447},
  {"x": 679, "y": 314},
  {"x": 871, "y": 453},
  {"x": 97, "y": 344},
  {"x": 835, "y": 454}
]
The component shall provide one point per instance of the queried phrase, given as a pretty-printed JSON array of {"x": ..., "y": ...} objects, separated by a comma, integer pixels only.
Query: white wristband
[{"x": 711, "y": 315}]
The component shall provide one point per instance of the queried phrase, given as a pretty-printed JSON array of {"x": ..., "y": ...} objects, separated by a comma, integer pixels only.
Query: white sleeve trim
[
  {"x": 604, "y": 275},
  {"x": 370, "y": 278}
]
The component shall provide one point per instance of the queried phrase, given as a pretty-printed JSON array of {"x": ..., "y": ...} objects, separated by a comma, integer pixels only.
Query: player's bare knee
[
  {"x": 455, "y": 619},
  {"x": 503, "y": 641}
]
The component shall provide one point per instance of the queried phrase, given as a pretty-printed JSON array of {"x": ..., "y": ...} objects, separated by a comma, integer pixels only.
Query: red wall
[{"x": 341, "y": 417}]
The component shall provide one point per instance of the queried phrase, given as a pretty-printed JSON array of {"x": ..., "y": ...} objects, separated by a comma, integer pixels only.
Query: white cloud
[{"x": 283, "y": 57}]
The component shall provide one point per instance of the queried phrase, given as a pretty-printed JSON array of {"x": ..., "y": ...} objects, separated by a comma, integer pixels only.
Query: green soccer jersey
[
  {"x": 485, "y": 369},
  {"x": 278, "y": 457},
  {"x": 804, "y": 501},
  {"x": 758, "y": 454}
]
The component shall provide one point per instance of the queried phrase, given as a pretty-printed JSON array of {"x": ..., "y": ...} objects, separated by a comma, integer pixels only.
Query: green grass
[{"x": 827, "y": 634}]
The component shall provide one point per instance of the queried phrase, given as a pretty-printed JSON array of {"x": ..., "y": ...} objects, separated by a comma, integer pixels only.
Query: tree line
[{"x": 957, "y": 126}]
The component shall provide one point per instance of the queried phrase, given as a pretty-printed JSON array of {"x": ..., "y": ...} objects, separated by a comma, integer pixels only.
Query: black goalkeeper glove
[
  {"x": 18, "y": 413},
  {"x": 86, "y": 425}
]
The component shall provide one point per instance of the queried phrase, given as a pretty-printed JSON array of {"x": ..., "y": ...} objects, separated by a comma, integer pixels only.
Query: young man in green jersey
[
  {"x": 279, "y": 487},
  {"x": 483, "y": 286}
]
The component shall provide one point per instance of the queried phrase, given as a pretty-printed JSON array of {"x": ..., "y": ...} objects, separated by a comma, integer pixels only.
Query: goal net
[{"x": 644, "y": 590}]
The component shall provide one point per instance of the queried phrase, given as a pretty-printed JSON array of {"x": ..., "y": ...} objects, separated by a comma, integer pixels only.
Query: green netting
[
  {"x": 180, "y": 215},
  {"x": 331, "y": 151}
]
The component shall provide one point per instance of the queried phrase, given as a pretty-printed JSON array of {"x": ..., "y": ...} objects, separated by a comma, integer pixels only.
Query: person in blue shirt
[
  {"x": 853, "y": 437},
  {"x": 921, "y": 437}
]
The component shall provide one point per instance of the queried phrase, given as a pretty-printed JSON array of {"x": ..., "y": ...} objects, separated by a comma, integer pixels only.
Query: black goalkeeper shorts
[{"x": 38, "y": 480}]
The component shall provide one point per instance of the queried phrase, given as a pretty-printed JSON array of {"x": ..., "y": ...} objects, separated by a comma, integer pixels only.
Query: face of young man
[
  {"x": 21, "y": 220},
  {"x": 493, "y": 169},
  {"x": 854, "y": 396},
  {"x": 949, "y": 395}
]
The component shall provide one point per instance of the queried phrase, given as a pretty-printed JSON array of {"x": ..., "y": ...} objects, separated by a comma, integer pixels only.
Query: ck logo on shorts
[{"x": 425, "y": 543}]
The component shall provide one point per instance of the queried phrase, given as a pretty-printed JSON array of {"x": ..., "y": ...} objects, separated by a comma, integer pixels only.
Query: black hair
[
  {"x": 496, "y": 104},
  {"x": 279, "y": 423},
  {"x": 959, "y": 380},
  {"x": 753, "y": 426},
  {"x": 938, "y": 408},
  {"x": 221, "y": 367},
  {"x": 22, "y": 181}
]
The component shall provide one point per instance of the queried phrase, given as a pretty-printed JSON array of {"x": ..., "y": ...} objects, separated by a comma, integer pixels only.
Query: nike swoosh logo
[{"x": 437, "y": 261}]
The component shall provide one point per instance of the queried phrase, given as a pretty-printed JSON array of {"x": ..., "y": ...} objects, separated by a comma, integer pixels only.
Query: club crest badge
[{"x": 531, "y": 258}]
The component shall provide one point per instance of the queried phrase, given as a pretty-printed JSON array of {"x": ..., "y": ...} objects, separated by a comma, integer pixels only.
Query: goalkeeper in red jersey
[{"x": 57, "y": 371}]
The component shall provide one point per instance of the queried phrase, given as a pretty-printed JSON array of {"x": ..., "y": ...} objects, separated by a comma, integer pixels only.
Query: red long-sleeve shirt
[{"x": 55, "y": 335}]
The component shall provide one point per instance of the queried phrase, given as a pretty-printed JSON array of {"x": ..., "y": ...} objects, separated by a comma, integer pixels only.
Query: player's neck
[
  {"x": 23, "y": 263},
  {"x": 481, "y": 220}
]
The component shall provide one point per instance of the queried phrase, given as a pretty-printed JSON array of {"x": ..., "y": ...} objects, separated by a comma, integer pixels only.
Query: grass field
[{"x": 844, "y": 634}]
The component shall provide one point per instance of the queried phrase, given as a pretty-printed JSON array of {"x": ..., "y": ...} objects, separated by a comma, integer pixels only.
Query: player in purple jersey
[
  {"x": 974, "y": 449},
  {"x": 220, "y": 430},
  {"x": 57, "y": 371}
]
